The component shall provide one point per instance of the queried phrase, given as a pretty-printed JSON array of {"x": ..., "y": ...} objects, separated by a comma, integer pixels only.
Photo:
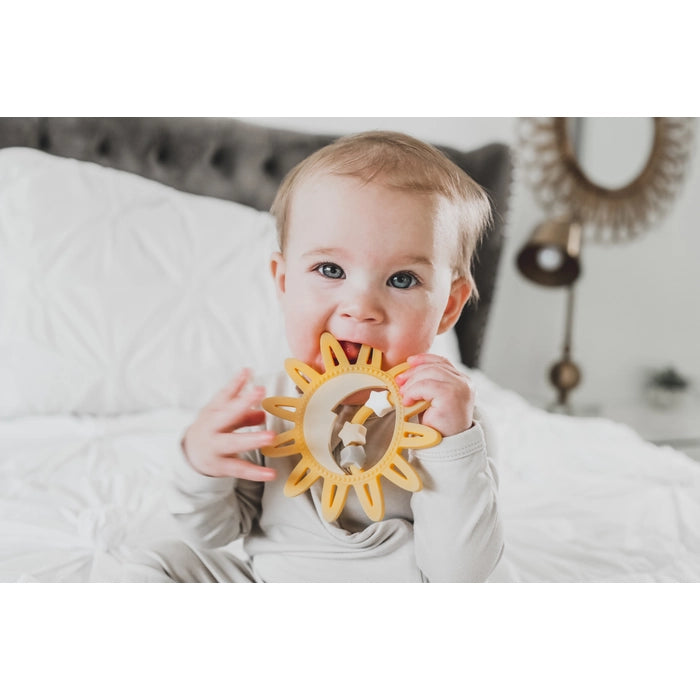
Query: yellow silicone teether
[{"x": 313, "y": 416}]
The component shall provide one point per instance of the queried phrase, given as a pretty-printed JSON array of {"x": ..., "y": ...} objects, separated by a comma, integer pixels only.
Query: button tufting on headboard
[
  {"x": 163, "y": 153},
  {"x": 104, "y": 147},
  {"x": 222, "y": 160},
  {"x": 271, "y": 166}
]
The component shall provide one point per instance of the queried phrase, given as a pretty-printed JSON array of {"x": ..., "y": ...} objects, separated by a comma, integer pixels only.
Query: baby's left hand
[{"x": 451, "y": 395}]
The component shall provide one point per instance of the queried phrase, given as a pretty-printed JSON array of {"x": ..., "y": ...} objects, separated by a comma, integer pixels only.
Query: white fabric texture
[
  {"x": 119, "y": 294},
  {"x": 579, "y": 499}
]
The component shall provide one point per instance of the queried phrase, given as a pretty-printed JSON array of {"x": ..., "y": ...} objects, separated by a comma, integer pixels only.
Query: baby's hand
[
  {"x": 451, "y": 395},
  {"x": 210, "y": 443}
]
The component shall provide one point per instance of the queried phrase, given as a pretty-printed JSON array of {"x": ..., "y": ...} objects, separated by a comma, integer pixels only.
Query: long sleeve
[
  {"x": 457, "y": 530},
  {"x": 212, "y": 511}
]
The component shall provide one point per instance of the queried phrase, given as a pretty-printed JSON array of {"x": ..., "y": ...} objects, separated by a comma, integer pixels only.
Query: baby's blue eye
[
  {"x": 403, "y": 280},
  {"x": 331, "y": 270}
]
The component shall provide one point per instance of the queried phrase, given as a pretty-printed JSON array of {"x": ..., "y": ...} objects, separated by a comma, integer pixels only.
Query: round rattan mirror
[{"x": 550, "y": 165}]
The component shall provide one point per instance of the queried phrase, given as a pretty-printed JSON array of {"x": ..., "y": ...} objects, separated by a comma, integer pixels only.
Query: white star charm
[
  {"x": 378, "y": 401},
  {"x": 353, "y": 434},
  {"x": 352, "y": 455}
]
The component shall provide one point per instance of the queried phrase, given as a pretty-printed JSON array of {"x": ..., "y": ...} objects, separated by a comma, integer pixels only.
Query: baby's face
[{"x": 371, "y": 265}]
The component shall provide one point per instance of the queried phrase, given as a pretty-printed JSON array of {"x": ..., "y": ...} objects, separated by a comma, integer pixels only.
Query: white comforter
[{"x": 581, "y": 499}]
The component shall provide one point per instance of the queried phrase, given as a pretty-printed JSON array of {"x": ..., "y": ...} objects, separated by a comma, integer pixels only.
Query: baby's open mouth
[{"x": 351, "y": 350}]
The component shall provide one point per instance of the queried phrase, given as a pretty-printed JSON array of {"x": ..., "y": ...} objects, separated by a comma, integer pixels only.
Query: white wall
[{"x": 636, "y": 303}]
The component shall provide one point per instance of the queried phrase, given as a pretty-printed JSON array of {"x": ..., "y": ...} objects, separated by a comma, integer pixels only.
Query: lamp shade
[{"x": 551, "y": 255}]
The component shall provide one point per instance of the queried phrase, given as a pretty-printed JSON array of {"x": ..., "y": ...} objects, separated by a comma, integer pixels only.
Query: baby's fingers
[
  {"x": 231, "y": 389},
  {"x": 233, "y": 444},
  {"x": 427, "y": 358},
  {"x": 242, "y": 411},
  {"x": 240, "y": 469}
]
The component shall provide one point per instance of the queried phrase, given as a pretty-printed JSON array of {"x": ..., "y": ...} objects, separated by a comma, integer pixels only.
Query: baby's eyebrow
[
  {"x": 322, "y": 251},
  {"x": 415, "y": 260}
]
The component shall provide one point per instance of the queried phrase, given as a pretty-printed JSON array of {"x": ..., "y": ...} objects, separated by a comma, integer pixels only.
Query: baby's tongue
[{"x": 351, "y": 350}]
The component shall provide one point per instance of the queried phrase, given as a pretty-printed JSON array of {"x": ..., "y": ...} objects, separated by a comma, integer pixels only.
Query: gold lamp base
[{"x": 565, "y": 375}]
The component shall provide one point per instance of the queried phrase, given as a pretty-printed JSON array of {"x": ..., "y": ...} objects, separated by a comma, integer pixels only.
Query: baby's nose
[{"x": 363, "y": 306}]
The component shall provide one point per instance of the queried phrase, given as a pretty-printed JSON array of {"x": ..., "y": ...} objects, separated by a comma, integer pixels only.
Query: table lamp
[{"x": 551, "y": 257}]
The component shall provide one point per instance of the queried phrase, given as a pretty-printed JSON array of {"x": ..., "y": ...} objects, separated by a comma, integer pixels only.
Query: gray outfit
[{"x": 447, "y": 532}]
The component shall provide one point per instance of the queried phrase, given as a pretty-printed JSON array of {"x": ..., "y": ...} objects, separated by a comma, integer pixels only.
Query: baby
[{"x": 376, "y": 232}]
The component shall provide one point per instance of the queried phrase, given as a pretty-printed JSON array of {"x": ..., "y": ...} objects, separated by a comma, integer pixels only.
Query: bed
[{"x": 132, "y": 286}]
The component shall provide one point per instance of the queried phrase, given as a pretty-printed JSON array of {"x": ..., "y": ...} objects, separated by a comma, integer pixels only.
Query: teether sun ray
[{"x": 313, "y": 416}]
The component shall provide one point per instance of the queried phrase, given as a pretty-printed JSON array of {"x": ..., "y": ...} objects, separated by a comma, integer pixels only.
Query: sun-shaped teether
[{"x": 314, "y": 417}]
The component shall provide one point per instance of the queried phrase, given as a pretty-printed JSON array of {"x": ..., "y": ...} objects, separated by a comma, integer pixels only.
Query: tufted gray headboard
[{"x": 234, "y": 160}]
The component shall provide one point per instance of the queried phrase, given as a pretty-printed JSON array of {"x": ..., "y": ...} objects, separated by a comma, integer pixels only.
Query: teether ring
[{"x": 313, "y": 416}]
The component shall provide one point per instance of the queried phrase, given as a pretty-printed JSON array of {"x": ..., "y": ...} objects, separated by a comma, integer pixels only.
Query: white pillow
[{"x": 119, "y": 294}]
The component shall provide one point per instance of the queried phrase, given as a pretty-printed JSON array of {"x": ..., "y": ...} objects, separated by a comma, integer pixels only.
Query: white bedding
[
  {"x": 581, "y": 499},
  {"x": 77, "y": 494},
  {"x": 587, "y": 499},
  {"x": 124, "y": 305}
]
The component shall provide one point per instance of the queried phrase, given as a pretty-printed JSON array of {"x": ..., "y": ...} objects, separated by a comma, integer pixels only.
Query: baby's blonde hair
[{"x": 399, "y": 161}]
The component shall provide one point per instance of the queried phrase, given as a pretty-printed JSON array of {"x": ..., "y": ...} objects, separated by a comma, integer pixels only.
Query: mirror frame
[{"x": 550, "y": 165}]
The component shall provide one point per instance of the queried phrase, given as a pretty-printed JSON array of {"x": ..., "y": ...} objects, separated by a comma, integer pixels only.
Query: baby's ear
[
  {"x": 279, "y": 271},
  {"x": 459, "y": 294}
]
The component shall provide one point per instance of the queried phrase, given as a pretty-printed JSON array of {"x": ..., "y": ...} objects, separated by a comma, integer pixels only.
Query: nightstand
[{"x": 677, "y": 426}]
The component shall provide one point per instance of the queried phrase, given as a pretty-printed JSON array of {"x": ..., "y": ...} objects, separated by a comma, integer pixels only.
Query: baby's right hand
[{"x": 211, "y": 444}]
